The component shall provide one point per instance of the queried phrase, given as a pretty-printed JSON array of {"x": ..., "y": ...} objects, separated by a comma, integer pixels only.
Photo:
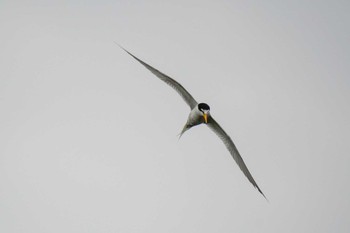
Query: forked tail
[{"x": 185, "y": 128}]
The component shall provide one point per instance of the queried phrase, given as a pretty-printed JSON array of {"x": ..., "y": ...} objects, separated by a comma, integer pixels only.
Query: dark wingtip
[
  {"x": 118, "y": 45},
  {"x": 123, "y": 48},
  {"x": 142, "y": 62},
  {"x": 262, "y": 194}
]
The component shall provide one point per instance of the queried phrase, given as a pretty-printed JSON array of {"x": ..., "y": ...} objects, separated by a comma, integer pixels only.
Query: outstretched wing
[
  {"x": 213, "y": 125},
  {"x": 171, "y": 82}
]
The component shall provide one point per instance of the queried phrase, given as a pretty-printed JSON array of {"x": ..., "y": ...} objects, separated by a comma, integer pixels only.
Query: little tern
[{"x": 200, "y": 114}]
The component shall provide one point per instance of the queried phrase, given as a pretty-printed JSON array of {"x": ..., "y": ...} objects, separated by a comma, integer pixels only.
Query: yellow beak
[{"x": 205, "y": 116}]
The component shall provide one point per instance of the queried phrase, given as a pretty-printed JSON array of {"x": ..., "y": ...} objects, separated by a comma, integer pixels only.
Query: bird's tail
[{"x": 185, "y": 128}]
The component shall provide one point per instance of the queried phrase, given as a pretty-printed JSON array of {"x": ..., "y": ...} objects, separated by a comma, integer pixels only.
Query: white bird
[{"x": 200, "y": 113}]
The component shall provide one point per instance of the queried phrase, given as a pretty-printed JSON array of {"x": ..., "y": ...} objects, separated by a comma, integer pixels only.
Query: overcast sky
[{"x": 89, "y": 136}]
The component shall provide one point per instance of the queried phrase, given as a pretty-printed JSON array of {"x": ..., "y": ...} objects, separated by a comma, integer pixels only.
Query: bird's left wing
[
  {"x": 213, "y": 125},
  {"x": 171, "y": 82}
]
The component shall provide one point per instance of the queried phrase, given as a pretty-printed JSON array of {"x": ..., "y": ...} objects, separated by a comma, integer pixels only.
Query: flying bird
[{"x": 200, "y": 114}]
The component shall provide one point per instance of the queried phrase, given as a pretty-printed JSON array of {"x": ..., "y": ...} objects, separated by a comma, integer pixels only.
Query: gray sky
[{"x": 89, "y": 136}]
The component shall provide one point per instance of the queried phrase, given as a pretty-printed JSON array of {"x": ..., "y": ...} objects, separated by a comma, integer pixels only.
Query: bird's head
[{"x": 205, "y": 111}]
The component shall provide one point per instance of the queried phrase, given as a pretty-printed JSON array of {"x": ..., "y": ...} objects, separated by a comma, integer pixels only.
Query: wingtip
[
  {"x": 115, "y": 42},
  {"x": 129, "y": 53},
  {"x": 120, "y": 46},
  {"x": 262, "y": 194}
]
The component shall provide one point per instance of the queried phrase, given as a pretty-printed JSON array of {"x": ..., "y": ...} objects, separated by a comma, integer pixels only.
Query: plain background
[{"x": 89, "y": 136}]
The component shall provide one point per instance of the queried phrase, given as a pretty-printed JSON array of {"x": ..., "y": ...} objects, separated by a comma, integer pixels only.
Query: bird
[{"x": 200, "y": 114}]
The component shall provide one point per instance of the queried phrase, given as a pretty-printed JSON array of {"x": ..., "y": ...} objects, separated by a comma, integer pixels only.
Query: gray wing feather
[
  {"x": 213, "y": 125},
  {"x": 171, "y": 82}
]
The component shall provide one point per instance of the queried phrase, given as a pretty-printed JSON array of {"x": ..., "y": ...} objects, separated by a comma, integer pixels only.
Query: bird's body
[
  {"x": 196, "y": 117},
  {"x": 200, "y": 114}
]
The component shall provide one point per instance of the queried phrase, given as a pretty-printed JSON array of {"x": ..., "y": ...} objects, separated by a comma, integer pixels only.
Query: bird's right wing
[
  {"x": 213, "y": 125},
  {"x": 171, "y": 82}
]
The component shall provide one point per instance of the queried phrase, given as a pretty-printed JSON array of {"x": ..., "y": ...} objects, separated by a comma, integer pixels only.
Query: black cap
[{"x": 203, "y": 106}]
